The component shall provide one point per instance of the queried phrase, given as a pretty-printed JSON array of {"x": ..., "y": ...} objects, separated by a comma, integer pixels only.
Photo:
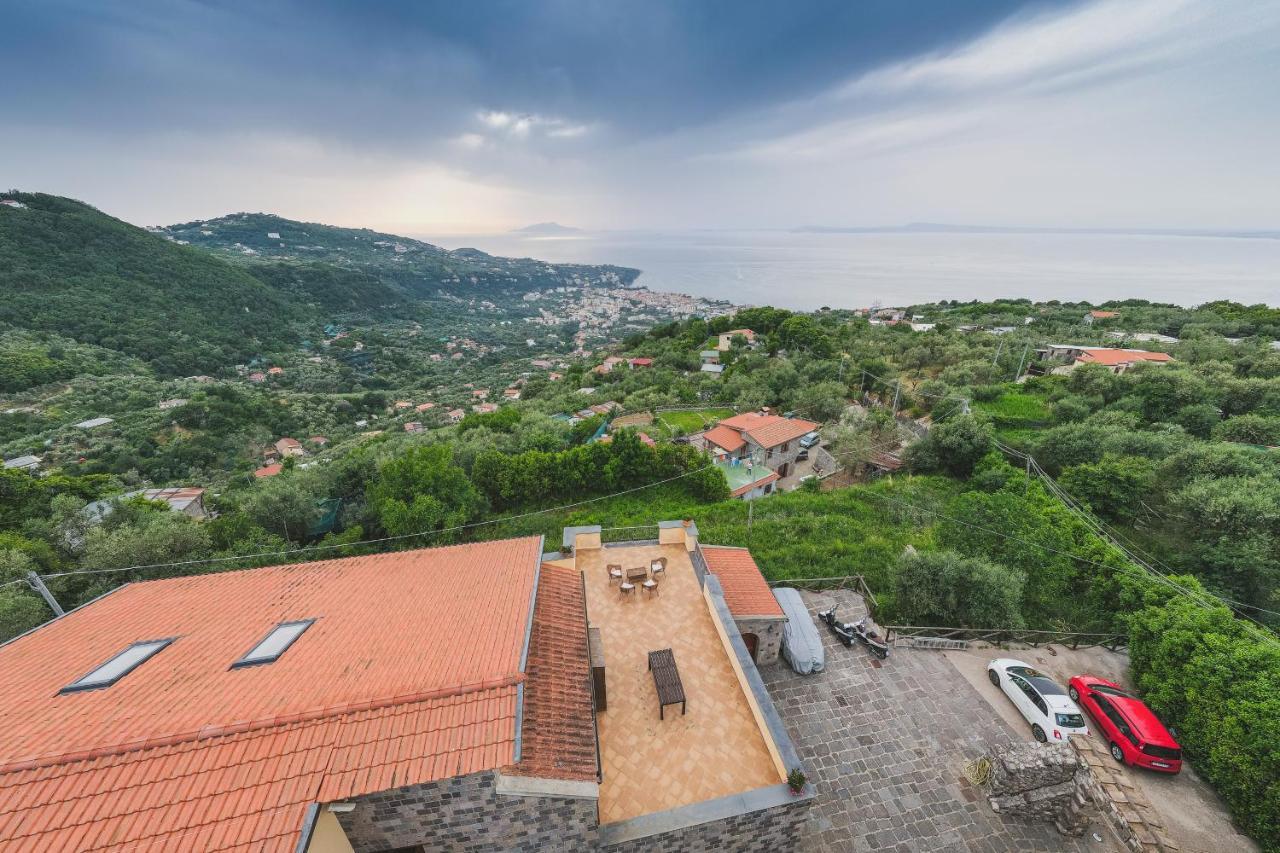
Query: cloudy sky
[{"x": 431, "y": 117}]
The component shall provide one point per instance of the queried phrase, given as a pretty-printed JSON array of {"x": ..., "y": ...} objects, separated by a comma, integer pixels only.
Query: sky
[{"x": 448, "y": 117}]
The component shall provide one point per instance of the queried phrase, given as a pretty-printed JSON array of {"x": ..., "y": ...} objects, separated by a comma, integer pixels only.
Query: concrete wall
[
  {"x": 738, "y": 658},
  {"x": 768, "y": 635},
  {"x": 466, "y": 814}
]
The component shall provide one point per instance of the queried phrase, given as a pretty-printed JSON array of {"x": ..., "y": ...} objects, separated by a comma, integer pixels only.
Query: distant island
[
  {"x": 945, "y": 228},
  {"x": 547, "y": 229}
]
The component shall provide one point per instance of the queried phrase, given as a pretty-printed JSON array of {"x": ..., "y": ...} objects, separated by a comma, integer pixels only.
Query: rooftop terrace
[{"x": 719, "y": 747}]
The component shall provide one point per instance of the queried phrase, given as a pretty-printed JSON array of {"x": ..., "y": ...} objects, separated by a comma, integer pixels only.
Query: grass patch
[
  {"x": 857, "y": 530},
  {"x": 1015, "y": 410},
  {"x": 684, "y": 423}
]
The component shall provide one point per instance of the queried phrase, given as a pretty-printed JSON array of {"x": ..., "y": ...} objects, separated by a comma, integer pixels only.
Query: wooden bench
[{"x": 666, "y": 678}]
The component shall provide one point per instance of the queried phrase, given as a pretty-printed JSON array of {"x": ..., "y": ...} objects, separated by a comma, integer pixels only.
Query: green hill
[
  {"x": 78, "y": 287},
  {"x": 70, "y": 269},
  {"x": 418, "y": 268}
]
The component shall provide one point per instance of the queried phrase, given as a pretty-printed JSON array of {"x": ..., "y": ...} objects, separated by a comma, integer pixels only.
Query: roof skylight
[
  {"x": 117, "y": 667},
  {"x": 270, "y": 647}
]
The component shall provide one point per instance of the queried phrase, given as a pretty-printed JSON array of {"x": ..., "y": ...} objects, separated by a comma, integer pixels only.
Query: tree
[
  {"x": 954, "y": 446},
  {"x": 287, "y": 505},
  {"x": 945, "y": 589},
  {"x": 1198, "y": 419},
  {"x": 1249, "y": 429},
  {"x": 149, "y": 538},
  {"x": 799, "y": 333},
  {"x": 1114, "y": 487},
  {"x": 821, "y": 401},
  {"x": 423, "y": 490}
]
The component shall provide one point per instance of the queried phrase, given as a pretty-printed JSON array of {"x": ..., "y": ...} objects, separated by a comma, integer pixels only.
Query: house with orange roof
[
  {"x": 770, "y": 441},
  {"x": 726, "y": 339},
  {"x": 1114, "y": 359},
  {"x": 268, "y": 470},
  {"x": 426, "y": 699},
  {"x": 757, "y": 613},
  {"x": 1094, "y": 316},
  {"x": 289, "y": 447}
]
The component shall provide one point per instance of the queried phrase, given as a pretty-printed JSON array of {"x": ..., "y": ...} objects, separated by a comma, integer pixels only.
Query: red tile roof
[
  {"x": 780, "y": 431},
  {"x": 408, "y": 675},
  {"x": 746, "y": 420},
  {"x": 268, "y": 470},
  {"x": 1113, "y": 357},
  {"x": 745, "y": 590},
  {"x": 768, "y": 430},
  {"x": 558, "y": 739},
  {"x": 723, "y": 436}
]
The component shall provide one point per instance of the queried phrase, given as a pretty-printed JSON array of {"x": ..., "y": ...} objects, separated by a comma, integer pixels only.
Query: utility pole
[
  {"x": 1025, "y": 347},
  {"x": 897, "y": 391},
  {"x": 751, "y": 505},
  {"x": 37, "y": 583},
  {"x": 1026, "y": 485},
  {"x": 996, "y": 357}
]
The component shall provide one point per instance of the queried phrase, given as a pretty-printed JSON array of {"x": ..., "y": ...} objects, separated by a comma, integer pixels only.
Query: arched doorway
[{"x": 752, "y": 642}]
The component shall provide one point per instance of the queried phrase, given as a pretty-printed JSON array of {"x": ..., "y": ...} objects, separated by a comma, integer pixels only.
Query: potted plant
[{"x": 796, "y": 781}]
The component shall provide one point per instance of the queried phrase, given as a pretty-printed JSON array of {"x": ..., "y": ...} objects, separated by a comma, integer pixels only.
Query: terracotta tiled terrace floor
[{"x": 716, "y": 748}]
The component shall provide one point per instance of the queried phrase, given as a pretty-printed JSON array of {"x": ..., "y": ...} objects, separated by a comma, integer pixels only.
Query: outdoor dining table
[{"x": 639, "y": 573}]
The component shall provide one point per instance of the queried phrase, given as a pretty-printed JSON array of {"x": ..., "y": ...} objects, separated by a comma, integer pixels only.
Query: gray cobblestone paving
[{"x": 886, "y": 748}]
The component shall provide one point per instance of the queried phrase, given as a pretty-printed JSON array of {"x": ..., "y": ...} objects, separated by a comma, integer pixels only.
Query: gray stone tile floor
[{"x": 886, "y": 746}]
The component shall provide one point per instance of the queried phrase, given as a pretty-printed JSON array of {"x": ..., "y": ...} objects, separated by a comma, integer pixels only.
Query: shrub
[{"x": 1218, "y": 684}]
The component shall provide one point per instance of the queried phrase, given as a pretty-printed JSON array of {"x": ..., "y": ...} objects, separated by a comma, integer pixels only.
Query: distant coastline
[{"x": 945, "y": 228}]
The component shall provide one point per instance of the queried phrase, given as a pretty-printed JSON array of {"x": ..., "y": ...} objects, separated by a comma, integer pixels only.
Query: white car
[{"x": 1043, "y": 703}]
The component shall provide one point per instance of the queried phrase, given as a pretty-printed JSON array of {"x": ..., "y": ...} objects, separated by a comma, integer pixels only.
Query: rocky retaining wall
[
  {"x": 1040, "y": 782},
  {"x": 1123, "y": 806}
]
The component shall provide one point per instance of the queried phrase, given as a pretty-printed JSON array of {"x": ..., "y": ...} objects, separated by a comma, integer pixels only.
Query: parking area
[
  {"x": 1192, "y": 813},
  {"x": 886, "y": 744}
]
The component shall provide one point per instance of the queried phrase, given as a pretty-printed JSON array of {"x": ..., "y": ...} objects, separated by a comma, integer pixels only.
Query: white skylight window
[
  {"x": 118, "y": 667},
  {"x": 270, "y": 647}
]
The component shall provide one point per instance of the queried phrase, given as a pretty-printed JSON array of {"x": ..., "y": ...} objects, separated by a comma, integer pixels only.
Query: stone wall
[
  {"x": 1039, "y": 782},
  {"x": 1121, "y": 804},
  {"x": 765, "y": 831},
  {"x": 768, "y": 636},
  {"x": 466, "y": 813}
]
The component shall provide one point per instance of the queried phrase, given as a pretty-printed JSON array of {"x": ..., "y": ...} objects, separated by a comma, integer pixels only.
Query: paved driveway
[{"x": 886, "y": 747}]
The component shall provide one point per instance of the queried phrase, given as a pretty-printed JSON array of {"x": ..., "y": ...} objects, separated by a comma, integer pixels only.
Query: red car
[{"x": 1133, "y": 732}]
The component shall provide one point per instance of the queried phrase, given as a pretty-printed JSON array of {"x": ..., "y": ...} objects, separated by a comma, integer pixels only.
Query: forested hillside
[
  {"x": 418, "y": 268},
  {"x": 72, "y": 270}
]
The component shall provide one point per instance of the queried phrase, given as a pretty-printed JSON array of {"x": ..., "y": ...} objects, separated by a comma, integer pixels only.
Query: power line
[
  {"x": 399, "y": 537},
  {"x": 1109, "y": 535},
  {"x": 1148, "y": 572}
]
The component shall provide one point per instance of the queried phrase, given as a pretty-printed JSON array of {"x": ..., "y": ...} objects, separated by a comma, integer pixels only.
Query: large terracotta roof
[
  {"x": 410, "y": 673},
  {"x": 724, "y": 437},
  {"x": 558, "y": 738},
  {"x": 767, "y": 430},
  {"x": 780, "y": 431},
  {"x": 1113, "y": 357},
  {"x": 746, "y": 592}
]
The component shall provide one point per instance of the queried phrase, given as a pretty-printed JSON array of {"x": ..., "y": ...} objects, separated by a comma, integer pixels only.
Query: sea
[{"x": 807, "y": 270}]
